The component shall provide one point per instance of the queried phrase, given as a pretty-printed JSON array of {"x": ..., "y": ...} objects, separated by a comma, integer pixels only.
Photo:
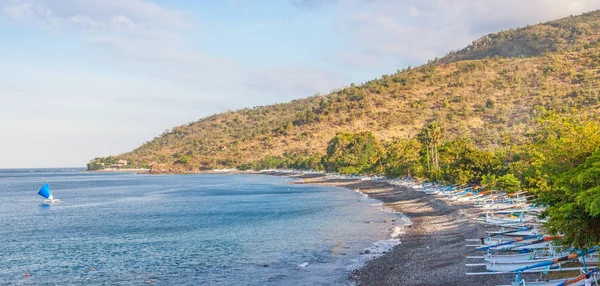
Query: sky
[{"x": 87, "y": 78}]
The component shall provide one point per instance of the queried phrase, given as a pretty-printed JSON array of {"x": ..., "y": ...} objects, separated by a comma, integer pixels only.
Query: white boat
[
  {"x": 524, "y": 232},
  {"x": 494, "y": 241},
  {"x": 527, "y": 232},
  {"x": 509, "y": 257},
  {"x": 590, "y": 259},
  {"x": 577, "y": 281},
  {"x": 46, "y": 193},
  {"x": 524, "y": 245},
  {"x": 498, "y": 240},
  {"x": 508, "y": 266},
  {"x": 492, "y": 220},
  {"x": 545, "y": 283}
]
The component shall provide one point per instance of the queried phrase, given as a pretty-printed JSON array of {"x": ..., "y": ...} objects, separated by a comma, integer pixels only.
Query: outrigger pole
[
  {"x": 547, "y": 238},
  {"x": 508, "y": 242},
  {"x": 557, "y": 260}
]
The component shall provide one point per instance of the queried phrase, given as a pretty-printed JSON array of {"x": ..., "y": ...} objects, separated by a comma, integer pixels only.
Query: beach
[{"x": 432, "y": 251}]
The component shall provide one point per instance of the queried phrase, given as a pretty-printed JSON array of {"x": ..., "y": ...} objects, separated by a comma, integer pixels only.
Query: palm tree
[
  {"x": 424, "y": 138},
  {"x": 437, "y": 133},
  {"x": 431, "y": 136}
]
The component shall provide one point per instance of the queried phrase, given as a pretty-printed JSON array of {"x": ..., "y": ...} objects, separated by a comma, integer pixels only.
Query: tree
[
  {"x": 270, "y": 162},
  {"x": 562, "y": 143},
  {"x": 575, "y": 211},
  {"x": 95, "y": 165},
  {"x": 462, "y": 162},
  {"x": 437, "y": 133},
  {"x": 509, "y": 183},
  {"x": 402, "y": 158},
  {"x": 489, "y": 181},
  {"x": 424, "y": 138},
  {"x": 431, "y": 136},
  {"x": 353, "y": 153},
  {"x": 561, "y": 168},
  {"x": 184, "y": 160}
]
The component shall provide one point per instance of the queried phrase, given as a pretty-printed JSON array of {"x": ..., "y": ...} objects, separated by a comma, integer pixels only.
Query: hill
[
  {"x": 568, "y": 34},
  {"x": 489, "y": 92}
]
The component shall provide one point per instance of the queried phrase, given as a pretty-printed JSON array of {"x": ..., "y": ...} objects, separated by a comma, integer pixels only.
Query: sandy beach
[{"x": 432, "y": 251}]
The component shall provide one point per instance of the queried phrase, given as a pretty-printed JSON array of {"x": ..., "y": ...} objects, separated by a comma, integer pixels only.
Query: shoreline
[
  {"x": 123, "y": 170},
  {"x": 432, "y": 250}
]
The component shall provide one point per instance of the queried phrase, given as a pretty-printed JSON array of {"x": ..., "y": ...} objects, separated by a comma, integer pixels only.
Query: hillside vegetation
[
  {"x": 567, "y": 34},
  {"x": 491, "y": 100}
]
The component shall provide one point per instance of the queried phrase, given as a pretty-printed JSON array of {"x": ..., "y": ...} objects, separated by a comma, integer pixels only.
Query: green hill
[{"x": 489, "y": 92}]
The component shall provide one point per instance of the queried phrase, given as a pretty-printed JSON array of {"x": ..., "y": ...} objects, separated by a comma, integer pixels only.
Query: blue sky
[{"x": 87, "y": 78}]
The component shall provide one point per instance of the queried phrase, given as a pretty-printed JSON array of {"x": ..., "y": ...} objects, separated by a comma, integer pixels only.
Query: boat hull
[
  {"x": 528, "y": 246},
  {"x": 545, "y": 283},
  {"x": 508, "y": 266},
  {"x": 509, "y": 257},
  {"x": 590, "y": 259}
]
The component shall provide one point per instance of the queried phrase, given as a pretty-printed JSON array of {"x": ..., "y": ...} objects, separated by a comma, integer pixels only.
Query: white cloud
[
  {"x": 413, "y": 11},
  {"x": 140, "y": 32},
  {"x": 149, "y": 26},
  {"x": 103, "y": 13},
  {"x": 412, "y": 32},
  {"x": 147, "y": 37}
]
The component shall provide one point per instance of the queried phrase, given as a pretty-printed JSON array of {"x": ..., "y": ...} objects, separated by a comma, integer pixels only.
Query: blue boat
[{"x": 46, "y": 193}]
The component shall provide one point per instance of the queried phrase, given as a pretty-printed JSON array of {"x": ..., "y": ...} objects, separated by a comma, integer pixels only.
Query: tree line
[{"x": 560, "y": 165}]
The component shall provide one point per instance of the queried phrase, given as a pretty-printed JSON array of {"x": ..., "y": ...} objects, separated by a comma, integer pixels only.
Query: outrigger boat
[
  {"x": 575, "y": 281},
  {"x": 500, "y": 221},
  {"x": 509, "y": 262},
  {"x": 518, "y": 229},
  {"x": 590, "y": 259},
  {"x": 46, "y": 193},
  {"x": 511, "y": 265},
  {"x": 571, "y": 281},
  {"x": 526, "y": 245},
  {"x": 524, "y": 231}
]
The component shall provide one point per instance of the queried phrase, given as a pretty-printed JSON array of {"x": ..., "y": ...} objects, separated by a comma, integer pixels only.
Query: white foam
[
  {"x": 378, "y": 204},
  {"x": 378, "y": 249},
  {"x": 305, "y": 264},
  {"x": 397, "y": 231},
  {"x": 360, "y": 193}
]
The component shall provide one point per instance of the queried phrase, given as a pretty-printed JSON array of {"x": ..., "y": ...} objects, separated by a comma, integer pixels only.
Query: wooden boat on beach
[
  {"x": 509, "y": 257},
  {"x": 517, "y": 232},
  {"x": 591, "y": 259},
  {"x": 511, "y": 265},
  {"x": 577, "y": 281}
]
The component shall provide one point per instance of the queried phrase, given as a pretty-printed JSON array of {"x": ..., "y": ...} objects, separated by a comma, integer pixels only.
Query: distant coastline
[{"x": 127, "y": 170}]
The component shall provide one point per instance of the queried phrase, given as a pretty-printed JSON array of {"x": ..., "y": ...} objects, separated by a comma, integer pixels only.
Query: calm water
[{"x": 127, "y": 229}]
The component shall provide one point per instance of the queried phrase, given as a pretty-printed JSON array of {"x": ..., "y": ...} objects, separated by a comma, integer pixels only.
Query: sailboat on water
[{"x": 46, "y": 193}]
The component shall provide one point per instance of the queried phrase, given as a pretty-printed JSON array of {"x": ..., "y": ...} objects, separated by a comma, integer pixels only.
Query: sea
[{"x": 201, "y": 229}]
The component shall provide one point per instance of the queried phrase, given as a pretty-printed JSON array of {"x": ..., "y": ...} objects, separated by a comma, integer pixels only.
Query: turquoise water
[{"x": 128, "y": 229}]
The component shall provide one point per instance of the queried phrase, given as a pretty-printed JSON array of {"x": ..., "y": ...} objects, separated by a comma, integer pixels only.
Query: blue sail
[{"x": 45, "y": 191}]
